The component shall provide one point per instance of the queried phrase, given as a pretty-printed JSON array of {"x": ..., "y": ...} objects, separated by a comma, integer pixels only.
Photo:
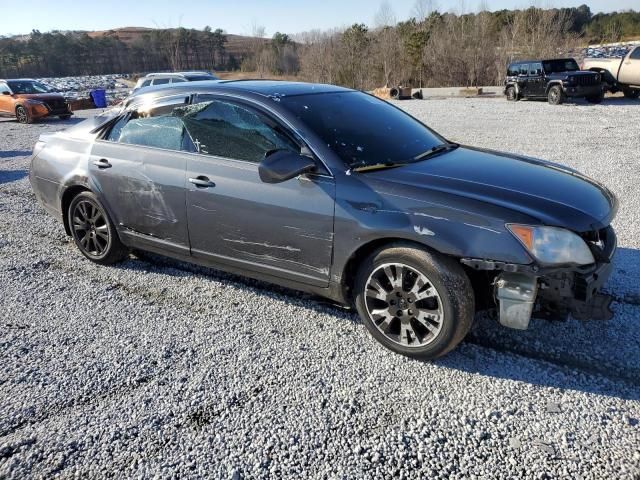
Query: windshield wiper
[
  {"x": 377, "y": 166},
  {"x": 445, "y": 147}
]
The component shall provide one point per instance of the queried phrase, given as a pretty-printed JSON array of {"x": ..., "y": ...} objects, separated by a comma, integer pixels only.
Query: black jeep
[{"x": 554, "y": 79}]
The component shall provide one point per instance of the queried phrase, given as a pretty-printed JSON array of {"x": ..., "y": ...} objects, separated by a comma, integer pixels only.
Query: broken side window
[
  {"x": 153, "y": 127},
  {"x": 230, "y": 130}
]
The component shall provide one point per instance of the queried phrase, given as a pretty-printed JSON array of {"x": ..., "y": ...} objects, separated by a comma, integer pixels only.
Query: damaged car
[{"x": 337, "y": 193}]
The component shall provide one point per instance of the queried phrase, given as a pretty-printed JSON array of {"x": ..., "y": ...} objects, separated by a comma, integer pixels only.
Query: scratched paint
[{"x": 422, "y": 230}]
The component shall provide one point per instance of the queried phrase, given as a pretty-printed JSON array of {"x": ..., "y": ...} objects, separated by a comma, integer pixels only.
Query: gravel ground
[{"x": 154, "y": 368}]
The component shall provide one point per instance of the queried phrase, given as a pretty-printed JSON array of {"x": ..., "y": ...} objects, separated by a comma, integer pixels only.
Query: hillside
[{"x": 237, "y": 45}]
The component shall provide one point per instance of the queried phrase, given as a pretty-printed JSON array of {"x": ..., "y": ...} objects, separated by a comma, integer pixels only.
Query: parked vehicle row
[
  {"x": 335, "y": 192},
  {"x": 559, "y": 79}
]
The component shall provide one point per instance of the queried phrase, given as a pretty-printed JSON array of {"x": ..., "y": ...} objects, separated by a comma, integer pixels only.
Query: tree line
[
  {"x": 430, "y": 49},
  {"x": 59, "y": 54}
]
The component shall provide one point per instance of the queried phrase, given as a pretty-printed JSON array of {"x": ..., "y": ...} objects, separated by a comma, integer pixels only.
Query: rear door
[
  {"x": 138, "y": 170},
  {"x": 283, "y": 229},
  {"x": 535, "y": 81},
  {"x": 523, "y": 79}
]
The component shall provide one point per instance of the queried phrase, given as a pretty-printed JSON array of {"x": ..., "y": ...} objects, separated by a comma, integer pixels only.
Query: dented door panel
[
  {"x": 144, "y": 189},
  {"x": 283, "y": 229}
]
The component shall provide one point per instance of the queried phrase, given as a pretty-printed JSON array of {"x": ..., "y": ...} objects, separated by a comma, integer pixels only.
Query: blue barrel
[{"x": 99, "y": 98}]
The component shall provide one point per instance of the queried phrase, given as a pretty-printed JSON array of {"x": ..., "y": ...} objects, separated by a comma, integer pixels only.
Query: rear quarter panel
[{"x": 60, "y": 163}]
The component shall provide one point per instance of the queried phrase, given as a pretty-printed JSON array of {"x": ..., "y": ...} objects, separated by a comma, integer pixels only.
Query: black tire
[
  {"x": 93, "y": 231},
  {"x": 596, "y": 98},
  {"x": 22, "y": 115},
  {"x": 555, "y": 95},
  {"x": 512, "y": 95},
  {"x": 455, "y": 300},
  {"x": 631, "y": 93},
  {"x": 64, "y": 117}
]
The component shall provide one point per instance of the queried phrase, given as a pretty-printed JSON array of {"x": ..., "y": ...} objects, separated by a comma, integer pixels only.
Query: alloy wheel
[
  {"x": 21, "y": 115},
  {"x": 90, "y": 228},
  {"x": 404, "y": 305}
]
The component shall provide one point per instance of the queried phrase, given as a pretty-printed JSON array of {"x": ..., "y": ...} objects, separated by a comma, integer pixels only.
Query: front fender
[
  {"x": 467, "y": 228},
  {"x": 553, "y": 83}
]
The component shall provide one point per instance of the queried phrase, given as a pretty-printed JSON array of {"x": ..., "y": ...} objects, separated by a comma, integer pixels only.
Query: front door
[{"x": 283, "y": 229}]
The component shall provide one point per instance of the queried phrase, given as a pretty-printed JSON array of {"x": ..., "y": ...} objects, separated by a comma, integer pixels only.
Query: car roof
[
  {"x": 267, "y": 88},
  {"x": 17, "y": 80},
  {"x": 176, "y": 74}
]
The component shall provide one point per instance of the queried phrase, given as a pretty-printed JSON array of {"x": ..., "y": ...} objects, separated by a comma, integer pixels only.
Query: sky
[{"x": 238, "y": 16}]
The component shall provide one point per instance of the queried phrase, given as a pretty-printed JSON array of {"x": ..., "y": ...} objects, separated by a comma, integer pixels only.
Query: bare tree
[
  {"x": 423, "y": 8},
  {"x": 385, "y": 16}
]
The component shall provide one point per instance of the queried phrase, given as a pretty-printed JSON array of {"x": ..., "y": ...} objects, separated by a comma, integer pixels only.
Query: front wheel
[
  {"x": 93, "y": 231},
  {"x": 414, "y": 302},
  {"x": 511, "y": 94},
  {"x": 555, "y": 96},
  {"x": 631, "y": 93},
  {"x": 22, "y": 115}
]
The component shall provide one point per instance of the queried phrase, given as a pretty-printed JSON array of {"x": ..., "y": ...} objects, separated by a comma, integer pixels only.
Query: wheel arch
[
  {"x": 350, "y": 269},
  {"x": 65, "y": 201},
  {"x": 553, "y": 83}
]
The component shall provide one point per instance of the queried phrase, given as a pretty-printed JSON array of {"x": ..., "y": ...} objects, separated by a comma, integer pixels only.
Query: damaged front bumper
[{"x": 522, "y": 291}]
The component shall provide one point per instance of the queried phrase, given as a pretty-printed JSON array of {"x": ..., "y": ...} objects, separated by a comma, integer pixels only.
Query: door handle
[
  {"x": 102, "y": 163},
  {"x": 202, "y": 182}
]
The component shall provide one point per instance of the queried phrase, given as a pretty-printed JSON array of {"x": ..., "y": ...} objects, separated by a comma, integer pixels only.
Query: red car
[{"x": 29, "y": 100}]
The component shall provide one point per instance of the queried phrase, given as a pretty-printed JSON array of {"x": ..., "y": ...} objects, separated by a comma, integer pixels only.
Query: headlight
[{"x": 553, "y": 245}]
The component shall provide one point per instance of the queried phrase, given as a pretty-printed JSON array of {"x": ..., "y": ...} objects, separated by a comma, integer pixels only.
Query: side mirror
[
  {"x": 5, "y": 92},
  {"x": 282, "y": 165}
]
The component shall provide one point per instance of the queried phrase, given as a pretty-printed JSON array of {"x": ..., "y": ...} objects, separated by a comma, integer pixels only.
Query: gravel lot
[{"x": 157, "y": 368}]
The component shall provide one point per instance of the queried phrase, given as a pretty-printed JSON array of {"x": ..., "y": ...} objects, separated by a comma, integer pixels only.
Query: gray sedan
[{"x": 337, "y": 193}]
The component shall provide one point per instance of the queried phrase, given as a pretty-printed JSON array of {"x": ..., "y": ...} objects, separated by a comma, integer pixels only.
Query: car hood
[
  {"x": 41, "y": 96},
  {"x": 572, "y": 73},
  {"x": 551, "y": 194}
]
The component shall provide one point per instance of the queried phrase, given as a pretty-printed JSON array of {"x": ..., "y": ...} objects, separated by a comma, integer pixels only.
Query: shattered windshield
[
  {"x": 28, "y": 87},
  {"x": 362, "y": 130}
]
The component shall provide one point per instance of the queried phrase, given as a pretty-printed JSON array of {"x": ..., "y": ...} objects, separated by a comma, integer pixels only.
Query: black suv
[{"x": 554, "y": 79}]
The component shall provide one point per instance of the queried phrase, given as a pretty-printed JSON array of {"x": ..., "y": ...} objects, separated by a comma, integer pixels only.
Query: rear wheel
[
  {"x": 414, "y": 302},
  {"x": 631, "y": 93},
  {"x": 22, "y": 115},
  {"x": 511, "y": 94},
  {"x": 93, "y": 231},
  {"x": 555, "y": 95}
]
